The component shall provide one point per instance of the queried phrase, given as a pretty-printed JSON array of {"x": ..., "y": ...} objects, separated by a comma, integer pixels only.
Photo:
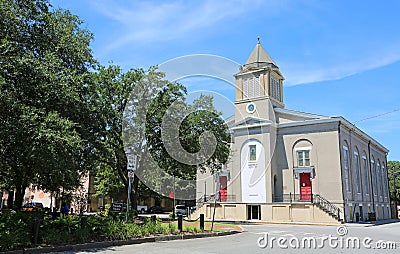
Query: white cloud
[
  {"x": 145, "y": 22},
  {"x": 350, "y": 62},
  {"x": 302, "y": 73}
]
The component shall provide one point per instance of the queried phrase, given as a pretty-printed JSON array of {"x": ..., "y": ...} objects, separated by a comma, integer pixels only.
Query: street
[{"x": 281, "y": 238}]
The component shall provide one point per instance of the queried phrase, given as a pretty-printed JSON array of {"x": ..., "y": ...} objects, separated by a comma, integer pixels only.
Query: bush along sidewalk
[{"x": 25, "y": 230}]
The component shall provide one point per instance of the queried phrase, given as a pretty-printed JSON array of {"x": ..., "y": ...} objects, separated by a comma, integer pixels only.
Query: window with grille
[
  {"x": 346, "y": 168},
  {"x": 357, "y": 169},
  {"x": 275, "y": 89},
  {"x": 303, "y": 158},
  {"x": 365, "y": 174}
]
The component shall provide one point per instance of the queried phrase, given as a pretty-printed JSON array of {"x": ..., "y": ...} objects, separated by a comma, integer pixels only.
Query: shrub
[
  {"x": 15, "y": 230},
  {"x": 171, "y": 229}
]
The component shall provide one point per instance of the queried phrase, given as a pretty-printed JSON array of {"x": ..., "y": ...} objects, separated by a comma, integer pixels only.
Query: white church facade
[{"x": 292, "y": 166}]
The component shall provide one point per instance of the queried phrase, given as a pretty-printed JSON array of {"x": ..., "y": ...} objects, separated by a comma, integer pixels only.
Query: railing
[
  {"x": 211, "y": 198},
  {"x": 221, "y": 198},
  {"x": 316, "y": 199},
  {"x": 327, "y": 206},
  {"x": 294, "y": 198}
]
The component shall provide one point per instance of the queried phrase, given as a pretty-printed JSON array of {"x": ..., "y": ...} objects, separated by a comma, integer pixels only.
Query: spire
[{"x": 259, "y": 57}]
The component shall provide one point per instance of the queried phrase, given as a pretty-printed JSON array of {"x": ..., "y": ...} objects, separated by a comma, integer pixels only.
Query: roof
[
  {"x": 259, "y": 56},
  {"x": 306, "y": 116},
  {"x": 311, "y": 119}
]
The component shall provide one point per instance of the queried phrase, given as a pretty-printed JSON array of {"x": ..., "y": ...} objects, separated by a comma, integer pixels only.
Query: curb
[
  {"x": 278, "y": 223},
  {"x": 106, "y": 244},
  {"x": 186, "y": 237},
  {"x": 372, "y": 224}
]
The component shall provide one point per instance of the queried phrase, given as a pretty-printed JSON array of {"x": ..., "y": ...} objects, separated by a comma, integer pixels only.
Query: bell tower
[{"x": 258, "y": 82}]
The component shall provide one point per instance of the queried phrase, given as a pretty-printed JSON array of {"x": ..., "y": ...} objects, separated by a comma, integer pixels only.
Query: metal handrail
[
  {"x": 327, "y": 205},
  {"x": 317, "y": 199},
  {"x": 293, "y": 198}
]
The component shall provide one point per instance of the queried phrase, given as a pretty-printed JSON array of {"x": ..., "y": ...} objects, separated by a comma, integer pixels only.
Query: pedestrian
[{"x": 64, "y": 208}]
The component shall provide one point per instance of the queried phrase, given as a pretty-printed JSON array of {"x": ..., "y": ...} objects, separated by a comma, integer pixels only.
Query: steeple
[
  {"x": 259, "y": 79},
  {"x": 259, "y": 57}
]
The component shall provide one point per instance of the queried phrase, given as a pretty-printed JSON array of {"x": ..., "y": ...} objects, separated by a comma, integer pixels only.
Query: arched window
[
  {"x": 378, "y": 179},
  {"x": 365, "y": 174},
  {"x": 356, "y": 163},
  {"x": 302, "y": 153},
  {"x": 383, "y": 181},
  {"x": 346, "y": 166},
  {"x": 373, "y": 175}
]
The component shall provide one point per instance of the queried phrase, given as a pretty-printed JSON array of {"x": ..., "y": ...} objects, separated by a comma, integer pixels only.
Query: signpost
[
  {"x": 131, "y": 167},
  {"x": 216, "y": 197}
]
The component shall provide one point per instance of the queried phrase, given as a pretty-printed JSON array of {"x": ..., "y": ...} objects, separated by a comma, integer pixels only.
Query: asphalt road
[{"x": 281, "y": 238}]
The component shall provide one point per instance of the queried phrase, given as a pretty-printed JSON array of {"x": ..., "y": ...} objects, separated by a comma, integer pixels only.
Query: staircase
[
  {"x": 327, "y": 207},
  {"x": 199, "y": 204},
  {"x": 319, "y": 202},
  {"x": 204, "y": 199}
]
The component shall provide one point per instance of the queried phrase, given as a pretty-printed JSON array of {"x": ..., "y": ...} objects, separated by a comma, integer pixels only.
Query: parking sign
[{"x": 131, "y": 162}]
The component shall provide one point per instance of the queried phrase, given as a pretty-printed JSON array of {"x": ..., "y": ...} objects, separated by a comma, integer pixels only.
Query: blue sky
[{"x": 338, "y": 57}]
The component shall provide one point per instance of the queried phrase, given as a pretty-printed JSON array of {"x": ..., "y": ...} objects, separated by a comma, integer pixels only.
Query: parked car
[
  {"x": 155, "y": 209},
  {"x": 180, "y": 209},
  {"x": 141, "y": 208},
  {"x": 33, "y": 206}
]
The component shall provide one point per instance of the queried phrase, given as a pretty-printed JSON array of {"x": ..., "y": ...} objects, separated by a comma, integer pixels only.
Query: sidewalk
[{"x": 372, "y": 223}]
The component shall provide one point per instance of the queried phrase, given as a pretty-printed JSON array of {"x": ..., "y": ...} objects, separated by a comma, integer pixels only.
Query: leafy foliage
[
  {"x": 62, "y": 114},
  {"x": 202, "y": 118},
  {"x": 15, "y": 230},
  {"x": 394, "y": 166},
  {"x": 45, "y": 60}
]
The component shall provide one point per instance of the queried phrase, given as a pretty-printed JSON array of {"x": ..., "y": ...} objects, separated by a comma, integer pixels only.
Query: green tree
[
  {"x": 45, "y": 61},
  {"x": 107, "y": 183},
  {"x": 108, "y": 93},
  {"x": 201, "y": 117},
  {"x": 140, "y": 127},
  {"x": 394, "y": 166},
  {"x": 170, "y": 111}
]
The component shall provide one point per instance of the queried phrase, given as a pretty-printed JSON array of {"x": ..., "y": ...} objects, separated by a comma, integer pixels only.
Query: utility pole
[
  {"x": 173, "y": 192},
  {"x": 205, "y": 191},
  {"x": 216, "y": 196},
  {"x": 131, "y": 168}
]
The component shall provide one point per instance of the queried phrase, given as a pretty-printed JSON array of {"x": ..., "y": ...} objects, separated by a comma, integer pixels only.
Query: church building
[{"x": 292, "y": 166}]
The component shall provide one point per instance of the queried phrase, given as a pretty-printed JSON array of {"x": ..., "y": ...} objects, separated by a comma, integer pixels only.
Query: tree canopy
[
  {"x": 393, "y": 167},
  {"x": 45, "y": 60},
  {"x": 63, "y": 114}
]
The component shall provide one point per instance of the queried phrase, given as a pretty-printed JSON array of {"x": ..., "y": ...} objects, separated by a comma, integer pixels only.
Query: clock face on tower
[{"x": 250, "y": 108}]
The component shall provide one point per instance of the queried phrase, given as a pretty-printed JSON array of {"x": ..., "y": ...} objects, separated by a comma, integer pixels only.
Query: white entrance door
[{"x": 253, "y": 172}]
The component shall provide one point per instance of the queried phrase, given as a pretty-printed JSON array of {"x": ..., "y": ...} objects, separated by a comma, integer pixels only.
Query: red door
[
  {"x": 223, "y": 191},
  {"x": 305, "y": 187}
]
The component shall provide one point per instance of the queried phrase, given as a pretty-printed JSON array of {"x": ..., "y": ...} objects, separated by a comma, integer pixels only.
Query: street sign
[
  {"x": 117, "y": 207},
  {"x": 131, "y": 174},
  {"x": 131, "y": 162},
  {"x": 217, "y": 196}
]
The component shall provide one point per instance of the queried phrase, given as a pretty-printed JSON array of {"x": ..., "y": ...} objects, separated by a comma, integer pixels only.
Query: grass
[{"x": 194, "y": 227}]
